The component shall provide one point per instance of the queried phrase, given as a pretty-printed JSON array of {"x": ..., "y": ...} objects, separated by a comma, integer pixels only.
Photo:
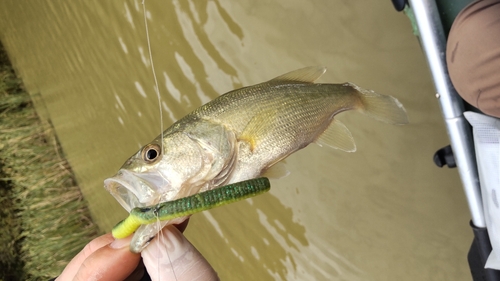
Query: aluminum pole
[{"x": 433, "y": 42}]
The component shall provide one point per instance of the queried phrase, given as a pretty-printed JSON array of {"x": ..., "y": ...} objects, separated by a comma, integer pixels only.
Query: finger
[
  {"x": 170, "y": 256},
  {"x": 73, "y": 266},
  {"x": 113, "y": 262}
]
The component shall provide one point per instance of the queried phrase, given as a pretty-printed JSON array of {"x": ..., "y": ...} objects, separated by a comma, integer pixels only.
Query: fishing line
[{"x": 157, "y": 91}]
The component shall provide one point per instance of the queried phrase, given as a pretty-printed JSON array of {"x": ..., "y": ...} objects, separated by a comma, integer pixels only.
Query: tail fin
[{"x": 381, "y": 107}]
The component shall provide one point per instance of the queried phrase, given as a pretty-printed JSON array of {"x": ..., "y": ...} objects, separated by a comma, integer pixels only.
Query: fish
[{"x": 243, "y": 134}]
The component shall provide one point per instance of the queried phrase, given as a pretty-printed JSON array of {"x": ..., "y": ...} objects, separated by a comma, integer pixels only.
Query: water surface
[{"x": 382, "y": 213}]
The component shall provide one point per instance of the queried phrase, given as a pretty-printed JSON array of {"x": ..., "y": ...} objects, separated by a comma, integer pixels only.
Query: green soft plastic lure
[{"x": 190, "y": 205}]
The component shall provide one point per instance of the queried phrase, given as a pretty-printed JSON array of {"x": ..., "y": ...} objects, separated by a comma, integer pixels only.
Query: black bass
[{"x": 241, "y": 135}]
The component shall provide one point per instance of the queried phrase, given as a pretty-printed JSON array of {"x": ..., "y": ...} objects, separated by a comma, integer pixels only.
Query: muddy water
[{"x": 382, "y": 213}]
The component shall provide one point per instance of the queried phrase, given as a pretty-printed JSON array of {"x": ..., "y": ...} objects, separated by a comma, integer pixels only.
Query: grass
[{"x": 44, "y": 221}]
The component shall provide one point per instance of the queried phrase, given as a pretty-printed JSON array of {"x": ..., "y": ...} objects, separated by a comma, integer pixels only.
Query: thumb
[
  {"x": 111, "y": 262},
  {"x": 170, "y": 256}
]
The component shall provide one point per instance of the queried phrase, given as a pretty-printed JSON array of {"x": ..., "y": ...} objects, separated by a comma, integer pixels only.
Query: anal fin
[{"x": 337, "y": 136}]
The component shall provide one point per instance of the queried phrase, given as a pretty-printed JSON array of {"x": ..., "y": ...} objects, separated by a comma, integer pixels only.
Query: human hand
[
  {"x": 104, "y": 258},
  {"x": 170, "y": 256}
]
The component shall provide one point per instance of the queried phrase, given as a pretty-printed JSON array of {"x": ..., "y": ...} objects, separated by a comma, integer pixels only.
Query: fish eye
[{"x": 151, "y": 153}]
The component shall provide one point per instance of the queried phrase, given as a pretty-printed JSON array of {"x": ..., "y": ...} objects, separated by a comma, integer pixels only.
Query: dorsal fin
[{"x": 304, "y": 75}]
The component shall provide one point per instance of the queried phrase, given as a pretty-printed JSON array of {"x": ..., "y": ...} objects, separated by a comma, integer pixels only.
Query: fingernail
[{"x": 120, "y": 243}]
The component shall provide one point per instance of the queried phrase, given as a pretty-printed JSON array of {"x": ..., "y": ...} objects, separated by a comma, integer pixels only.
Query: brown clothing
[{"x": 473, "y": 55}]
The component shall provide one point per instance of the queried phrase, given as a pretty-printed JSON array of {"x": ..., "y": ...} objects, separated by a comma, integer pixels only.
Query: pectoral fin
[
  {"x": 337, "y": 136},
  {"x": 259, "y": 126}
]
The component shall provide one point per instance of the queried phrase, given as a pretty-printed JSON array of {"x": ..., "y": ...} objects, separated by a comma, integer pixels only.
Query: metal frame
[
  {"x": 433, "y": 41},
  {"x": 426, "y": 15}
]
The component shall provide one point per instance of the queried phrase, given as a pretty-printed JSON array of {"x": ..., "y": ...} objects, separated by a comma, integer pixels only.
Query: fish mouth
[
  {"x": 134, "y": 190},
  {"x": 131, "y": 190}
]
